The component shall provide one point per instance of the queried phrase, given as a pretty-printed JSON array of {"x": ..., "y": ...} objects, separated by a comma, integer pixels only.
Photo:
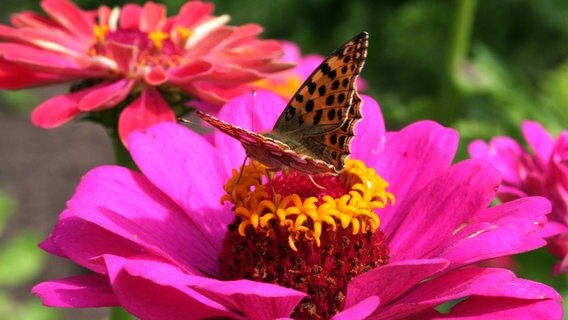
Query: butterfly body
[{"x": 314, "y": 132}]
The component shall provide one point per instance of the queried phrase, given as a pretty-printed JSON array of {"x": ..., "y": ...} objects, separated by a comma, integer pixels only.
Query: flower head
[
  {"x": 161, "y": 244},
  {"x": 133, "y": 55},
  {"x": 542, "y": 172}
]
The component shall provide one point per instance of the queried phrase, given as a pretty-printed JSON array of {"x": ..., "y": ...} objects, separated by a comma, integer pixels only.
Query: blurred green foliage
[{"x": 20, "y": 264}]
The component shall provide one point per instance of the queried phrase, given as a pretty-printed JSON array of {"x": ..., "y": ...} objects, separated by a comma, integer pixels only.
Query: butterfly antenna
[
  {"x": 270, "y": 174},
  {"x": 314, "y": 182}
]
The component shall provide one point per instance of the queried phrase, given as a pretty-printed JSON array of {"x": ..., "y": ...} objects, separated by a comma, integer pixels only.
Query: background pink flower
[
  {"x": 152, "y": 239},
  {"x": 132, "y": 56},
  {"x": 542, "y": 172}
]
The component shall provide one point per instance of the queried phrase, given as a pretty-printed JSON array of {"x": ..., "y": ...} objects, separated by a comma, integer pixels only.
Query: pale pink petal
[
  {"x": 437, "y": 212},
  {"x": 188, "y": 169},
  {"x": 70, "y": 17},
  {"x": 369, "y": 132},
  {"x": 540, "y": 141},
  {"x": 153, "y": 15},
  {"x": 84, "y": 291},
  {"x": 151, "y": 289},
  {"x": 106, "y": 95},
  {"x": 409, "y": 160},
  {"x": 150, "y": 108}
]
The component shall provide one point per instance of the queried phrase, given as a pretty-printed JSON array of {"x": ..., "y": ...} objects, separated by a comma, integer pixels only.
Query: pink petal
[
  {"x": 124, "y": 55},
  {"x": 153, "y": 15},
  {"x": 438, "y": 211},
  {"x": 361, "y": 310},
  {"x": 186, "y": 168},
  {"x": 126, "y": 204},
  {"x": 69, "y": 16},
  {"x": 193, "y": 12},
  {"x": 151, "y": 289},
  {"x": 11, "y": 76},
  {"x": 156, "y": 76},
  {"x": 84, "y": 291},
  {"x": 409, "y": 160},
  {"x": 257, "y": 112},
  {"x": 495, "y": 283},
  {"x": 130, "y": 16},
  {"x": 105, "y": 95},
  {"x": 255, "y": 300},
  {"x": 379, "y": 281},
  {"x": 369, "y": 132},
  {"x": 503, "y": 153},
  {"x": 538, "y": 139},
  {"x": 189, "y": 71},
  {"x": 506, "y": 229},
  {"x": 82, "y": 241},
  {"x": 35, "y": 57},
  {"x": 58, "y": 110},
  {"x": 150, "y": 108}
]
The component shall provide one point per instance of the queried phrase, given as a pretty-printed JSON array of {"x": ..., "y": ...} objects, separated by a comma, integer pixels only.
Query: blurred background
[{"x": 477, "y": 66}]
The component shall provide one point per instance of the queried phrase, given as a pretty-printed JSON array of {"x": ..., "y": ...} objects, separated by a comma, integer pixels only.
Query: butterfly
[{"x": 314, "y": 132}]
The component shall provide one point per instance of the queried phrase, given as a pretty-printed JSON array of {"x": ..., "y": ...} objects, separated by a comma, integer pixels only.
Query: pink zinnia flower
[
  {"x": 542, "y": 172},
  {"x": 160, "y": 244},
  {"x": 131, "y": 55},
  {"x": 286, "y": 83}
]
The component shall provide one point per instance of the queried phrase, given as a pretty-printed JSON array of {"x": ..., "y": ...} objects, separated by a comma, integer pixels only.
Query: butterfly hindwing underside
[{"x": 314, "y": 132}]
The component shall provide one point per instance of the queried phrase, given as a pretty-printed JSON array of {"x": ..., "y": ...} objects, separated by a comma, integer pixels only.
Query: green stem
[
  {"x": 459, "y": 48},
  {"x": 121, "y": 154},
  {"x": 118, "y": 313}
]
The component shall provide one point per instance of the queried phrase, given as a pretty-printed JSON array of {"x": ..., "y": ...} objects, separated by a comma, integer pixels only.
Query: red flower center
[{"x": 313, "y": 235}]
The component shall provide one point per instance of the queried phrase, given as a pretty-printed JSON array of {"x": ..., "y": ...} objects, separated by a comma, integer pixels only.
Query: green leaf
[{"x": 20, "y": 259}]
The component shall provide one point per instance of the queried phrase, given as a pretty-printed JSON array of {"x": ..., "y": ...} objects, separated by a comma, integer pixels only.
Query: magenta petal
[
  {"x": 193, "y": 12},
  {"x": 539, "y": 140},
  {"x": 257, "y": 112},
  {"x": 495, "y": 283},
  {"x": 502, "y": 230},
  {"x": 409, "y": 160},
  {"x": 369, "y": 132},
  {"x": 361, "y": 310},
  {"x": 151, "y": 289},
  {"x": 126, "y": 204},
  {"x": 106, "y": 95},
  {"x": 254, "y": 299},
  {"x": 84, "y": 291},
  {"x": 188, "y": 169},
  {"x": 503, "y": 153},
  {"x": 150, "y": 108},
  {"x": 378, "y": 281},
  {"x": 491, "y": 308},
  {"x": 438, "y": 211},
  {"x": 58, "y": 110}
]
